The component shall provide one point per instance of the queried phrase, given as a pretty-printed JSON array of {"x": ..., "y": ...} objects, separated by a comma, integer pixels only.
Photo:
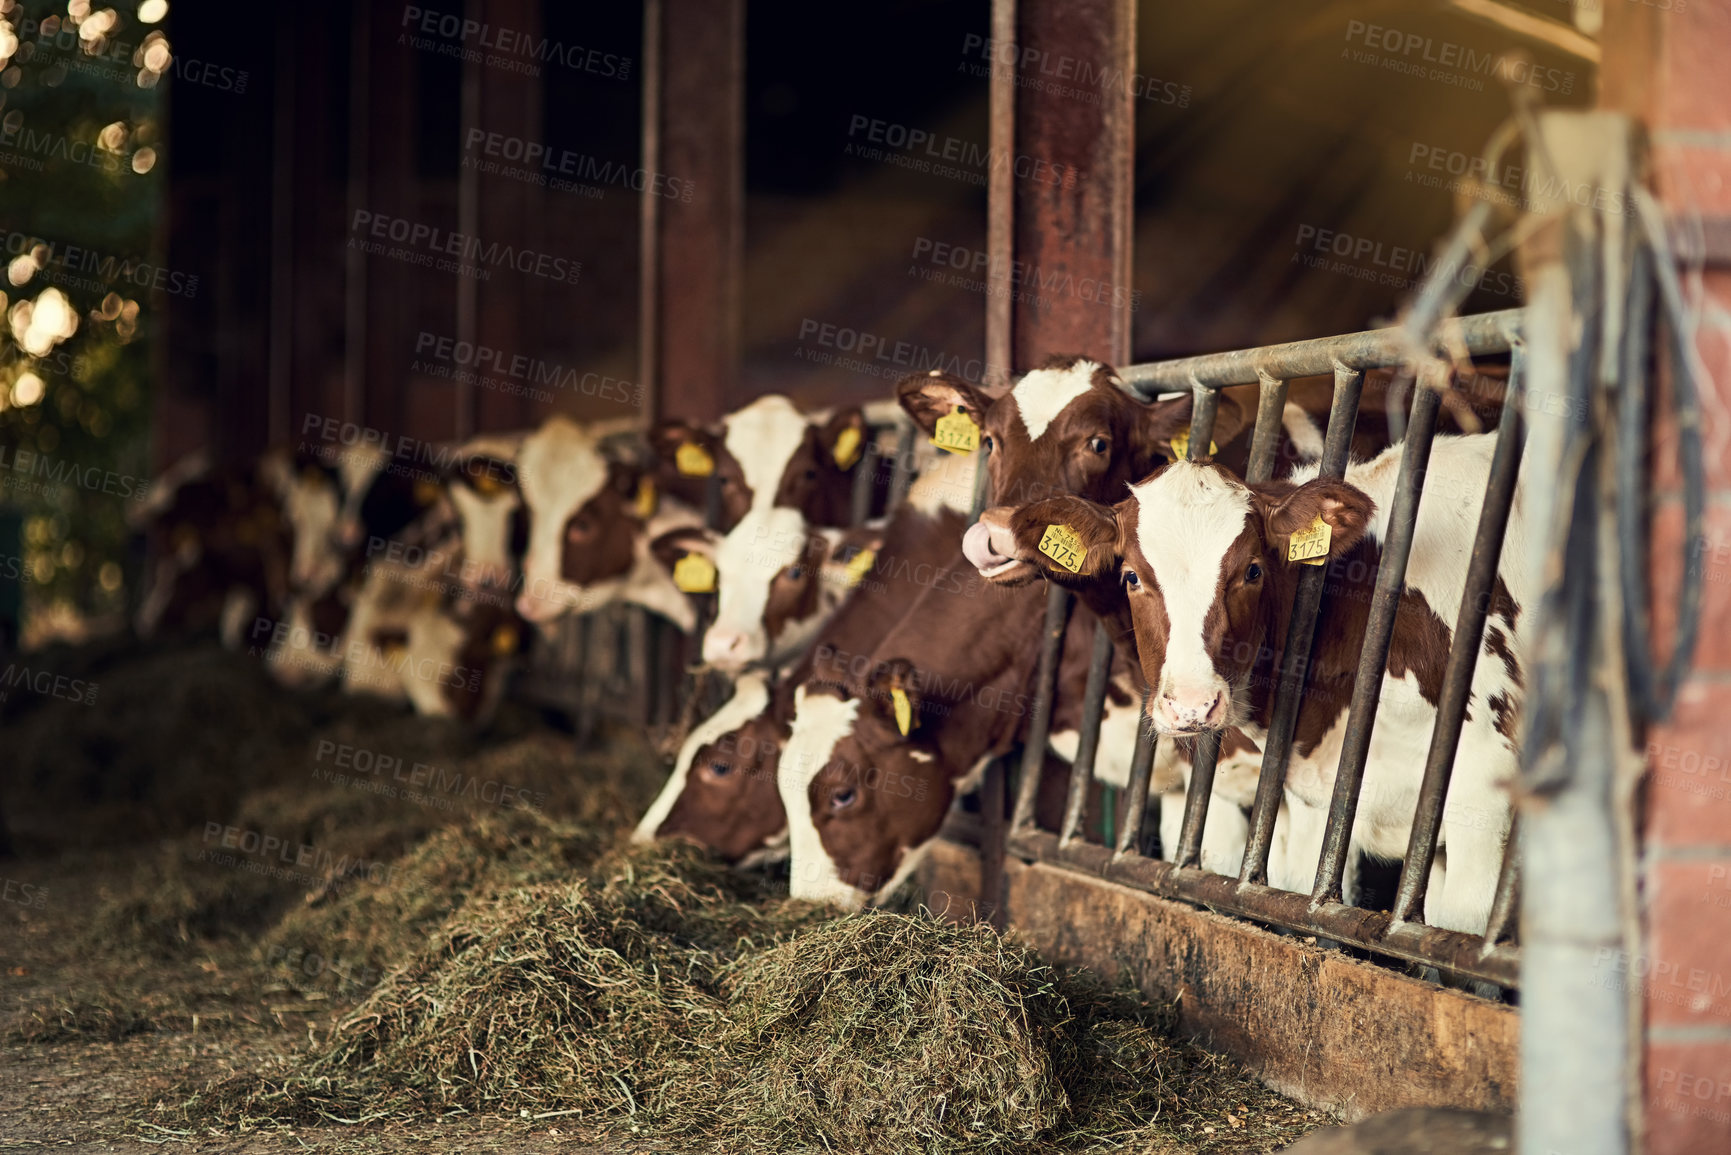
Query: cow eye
[
  {"x": 794, "y": 573},
  {"x": 987, "y": 443},
  {"x": 1098, "y": 445},
  {"x": 843, "y": 798},
  {"x": 579, "y": 527},
  {"x": 1254, "y": 573},
  {"x": 1131, "y": 580},
  {"x": 720, "y": 769}
]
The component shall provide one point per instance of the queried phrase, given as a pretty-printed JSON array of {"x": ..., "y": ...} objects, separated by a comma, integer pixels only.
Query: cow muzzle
[
  {"x": 1190, "y": 709},
  {"x": 990, "y": 546},
  {"x": 731, "y": 650}
]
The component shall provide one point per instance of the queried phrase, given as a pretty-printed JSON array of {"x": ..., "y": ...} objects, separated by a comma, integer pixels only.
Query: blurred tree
[{"x": 81, "y": 177}]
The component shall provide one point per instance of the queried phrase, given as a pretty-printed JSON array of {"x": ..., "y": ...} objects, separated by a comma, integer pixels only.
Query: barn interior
[{"x": 795, "y": 204}]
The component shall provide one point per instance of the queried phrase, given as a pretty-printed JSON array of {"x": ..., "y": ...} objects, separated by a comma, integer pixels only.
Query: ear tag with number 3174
[{"x": 956, "y": 432}]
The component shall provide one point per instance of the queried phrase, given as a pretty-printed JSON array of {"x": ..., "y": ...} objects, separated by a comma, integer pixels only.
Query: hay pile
[{"x": 664, "y": 993}]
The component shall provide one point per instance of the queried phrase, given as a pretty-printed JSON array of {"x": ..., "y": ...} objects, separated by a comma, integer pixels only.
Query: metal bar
[
  {"x": 1464, "y": 651},
  {"x": 1205, "y": 405},
  {"x": 1507, "y": 904},
  {"x": 864, "y": 482},
  {"x": 1395, "y": 404},
  {"x": 1265, "y": 442},
  {"x": 1196, "y": 799},
  {"x": 1059, "y": 602},
  {"x": 649, "y": 219},
  {"x": 1001, "y": 198},
  {"x": 1462, "y": 954},
  {"x": 1136, "y": 796},
  {"x": 902, "y": 473},
  {"x": 1088, "y": 741},
  {"x": 1295, "y": 658},
  {"x": 993, "y": 831},
  {"x": 1378, "y": 634},
  {"x": 1479, "y": 334}
]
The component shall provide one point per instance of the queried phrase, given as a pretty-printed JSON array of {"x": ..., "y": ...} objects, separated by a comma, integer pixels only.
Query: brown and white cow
[
  {"x": 222, "y": 545},
  {"x": 1200, "y": 561},
  {"x": 916, "y": 546},
  {"x": 591, "y": 524}
]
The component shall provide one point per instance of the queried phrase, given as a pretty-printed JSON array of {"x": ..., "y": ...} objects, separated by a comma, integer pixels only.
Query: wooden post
[{"x": 693, "y": 253}]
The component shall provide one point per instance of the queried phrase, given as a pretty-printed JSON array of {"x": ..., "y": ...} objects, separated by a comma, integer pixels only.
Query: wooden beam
[
  {"x": 693, "y": 253},
  {"x": 1328, "y": 1030}
]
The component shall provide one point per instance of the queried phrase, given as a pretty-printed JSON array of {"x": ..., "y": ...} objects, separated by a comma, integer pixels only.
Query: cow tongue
[{"x": 977, "y": 548}]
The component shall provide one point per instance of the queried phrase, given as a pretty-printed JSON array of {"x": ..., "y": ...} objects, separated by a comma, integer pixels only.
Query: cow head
[
  {"x": 1201, "y": 559},
  {"x": 722, "y": 792},
  {"x": 584, "y": 521},
  {"x": 779, "y": 583},
  {"x": 862, "y": 800},
  {"x": 1065, "y": 428},
  {"x": 492, "y": 524}
]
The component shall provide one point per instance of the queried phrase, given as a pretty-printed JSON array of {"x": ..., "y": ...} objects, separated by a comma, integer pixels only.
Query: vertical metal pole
[
  {"x": 1464, "y": 649},
  {"x": 1379, "y": 633},
  {"x": 1059, "y": 602},
  {"x": 1295, "y": 656},
  {"x": 1265, "y": 442},
  {"x": 1088, "y": 741},
  {"x": 1136, "y": 794}
]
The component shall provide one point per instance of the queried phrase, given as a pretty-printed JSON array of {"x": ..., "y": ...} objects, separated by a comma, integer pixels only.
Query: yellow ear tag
[
  {"x": 1310, "y": 546},
  {"x": 694, "y": 574},
  {"x": 1064, "y": 546},
  {"x": 1181, "y": 445},
  {"x": 859, "y": 565},
  {"x": 426, "y": 492},
  {"x": 647, "y": 498},
  {"x": 847, "y": 447},
  {"x": 956, "y": 432},
  {"x": 505, "y": 640},
  {"x": 693, "y": 460},
  {"x": 904, "y": 710}
]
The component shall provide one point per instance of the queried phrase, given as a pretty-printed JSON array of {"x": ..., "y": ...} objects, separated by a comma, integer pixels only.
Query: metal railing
[{"x": 1488, "y": 957}]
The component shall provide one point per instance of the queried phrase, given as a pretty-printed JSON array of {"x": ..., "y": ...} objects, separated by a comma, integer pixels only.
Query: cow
[
  {"x": 413, "y": 637},
  {"x": 222, "y": 548},
  {"x": 767, "y": 455},
  {"x": 1210, "y": 619},
  {"x": 732, "y": 813},
  {"x": 770, "y": 604},
  {"x": 593, "y": 515}
]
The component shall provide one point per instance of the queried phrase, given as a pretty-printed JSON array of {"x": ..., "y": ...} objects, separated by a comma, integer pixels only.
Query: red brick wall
[{"x": 1672, "y": 67}]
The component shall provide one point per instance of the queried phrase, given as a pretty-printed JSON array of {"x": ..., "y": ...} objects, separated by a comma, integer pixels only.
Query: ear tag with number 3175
[
  {"x": 1310, "y": 545},
  {"x": 1064, "y": 546}
]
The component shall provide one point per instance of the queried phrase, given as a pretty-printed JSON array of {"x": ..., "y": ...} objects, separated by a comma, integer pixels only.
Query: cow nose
[
  {"x": 1185, "y": 709},
  {"x": 725, "y": 647}
]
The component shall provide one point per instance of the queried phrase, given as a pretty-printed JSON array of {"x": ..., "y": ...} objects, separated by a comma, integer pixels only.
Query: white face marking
[
  {"x": 357, "y": 468},
  {"x": 746, "y": 562},
  {"x": 310, "y": 507},
  {"x": 921, "y": 755},
  {"x": 946, "y": 483},
  {"x": 560, "y": 469},
  {"x": 763, "y": 437},
  {"x": 819, "y": 723},
  {"x": 1043, "y": 394},
  {"x": 485, "y": 532},
  {"x": 435, "y": 640},
  {"x": 1187, "y": 518},
  {"x": 750, "y": 697}
]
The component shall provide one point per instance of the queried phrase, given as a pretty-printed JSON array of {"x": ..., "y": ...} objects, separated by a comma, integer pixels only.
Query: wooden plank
[
  {"x": 1330, "y": 1031},
  {"x": 693, "y": 253}
]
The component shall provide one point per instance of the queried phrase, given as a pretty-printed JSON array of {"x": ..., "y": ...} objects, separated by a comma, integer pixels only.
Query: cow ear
[
  {"x": 842, "y": 439},
  {"x": 668, "y": 548},
  {"x": 1163, "y": 420},
  {"x": 894, "y": 692},
  {"x": 1067, "y": 537},
  {"x": 667, "y": 436},
  {"x": 928, "y": 396},
  {"x": 1287, "y": 509}
]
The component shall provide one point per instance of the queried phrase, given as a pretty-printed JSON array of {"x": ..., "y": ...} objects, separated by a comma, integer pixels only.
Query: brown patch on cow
[
  {"x": 1508, "y": 715},
  {"x": 812, "y": 482},
  {"x": 600, "y": 537},
  {"x": 666, "y": 438},
  {"x": 730, "y": 802},
  {"x": 796, "y": 589},
  {"x": 493, "y": 638},
  {"x": 1497, "y": 646}
]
